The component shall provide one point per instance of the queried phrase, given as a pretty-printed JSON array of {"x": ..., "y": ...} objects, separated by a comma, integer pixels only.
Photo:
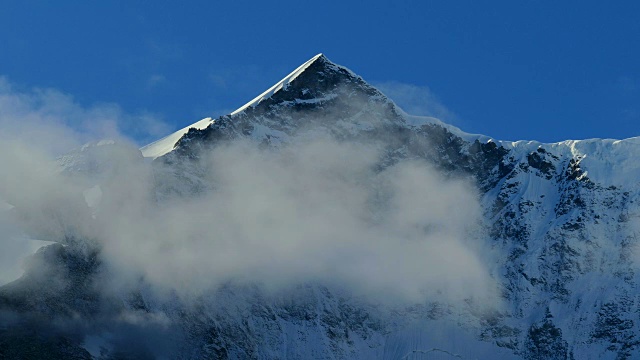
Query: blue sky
[{"x": 539, "y": 70}]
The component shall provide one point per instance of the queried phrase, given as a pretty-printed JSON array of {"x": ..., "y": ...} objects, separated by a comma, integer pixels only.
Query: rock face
[{"x": 563, "y": 217}]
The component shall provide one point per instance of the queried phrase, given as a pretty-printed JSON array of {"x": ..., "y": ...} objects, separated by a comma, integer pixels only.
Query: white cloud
[
  {"x": 55, "y": 121},
  {"x": 416, "y": 100},
  {"x": 311, "y": 211},
  {"x": 13, "y": 249},
  {"x": 36, "y": 126}
]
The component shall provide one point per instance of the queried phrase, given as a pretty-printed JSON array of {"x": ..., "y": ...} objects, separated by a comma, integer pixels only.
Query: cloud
[
  {"x": 314, "y": 211},
  {"x": 155, "y": 80},
  {"x": 309, "y": 212},
  {"x": 14, "y": 249},
  {"x": 416, "y": 100},
  {"x": 36, "y": 126},
  {"x": 54, "y": 121}
]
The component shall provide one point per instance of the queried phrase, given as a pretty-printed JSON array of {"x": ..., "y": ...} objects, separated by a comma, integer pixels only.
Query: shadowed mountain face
[{"x": 556, "y": 233}]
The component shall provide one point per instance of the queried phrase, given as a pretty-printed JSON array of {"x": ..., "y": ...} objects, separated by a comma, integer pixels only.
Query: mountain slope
[
  {"x": 561, "y": 222},
  {"x": 564, "y": 215}
]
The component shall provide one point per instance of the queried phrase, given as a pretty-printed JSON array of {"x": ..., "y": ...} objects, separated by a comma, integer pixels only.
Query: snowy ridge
[
  {"x": 596, "y": 149},
  {"x": 279, "y": 85},
  {"x": 604, "y": 161},
  {"x": 417, "y": 121},
  {"x": 166, "y": 144}
]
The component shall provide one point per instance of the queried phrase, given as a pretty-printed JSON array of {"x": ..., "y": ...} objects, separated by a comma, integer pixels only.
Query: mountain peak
[
  {"x": 283, "y": 83},
  {"x": 315, "y": 80}
]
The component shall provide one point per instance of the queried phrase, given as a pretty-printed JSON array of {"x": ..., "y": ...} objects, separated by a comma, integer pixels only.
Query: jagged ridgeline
[{"x": 467, "y": 246}]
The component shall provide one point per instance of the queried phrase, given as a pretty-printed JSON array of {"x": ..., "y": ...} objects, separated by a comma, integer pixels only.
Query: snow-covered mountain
[{"x": 559, "y": 226}]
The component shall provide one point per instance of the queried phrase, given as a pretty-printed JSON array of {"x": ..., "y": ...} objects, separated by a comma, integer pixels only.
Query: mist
[
  {"x": 319, "y": 211},
  {"x": 308, "y": 212}
]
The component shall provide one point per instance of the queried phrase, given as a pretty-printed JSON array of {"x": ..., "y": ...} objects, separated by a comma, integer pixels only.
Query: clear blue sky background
[{"x": 543, "y": 70}]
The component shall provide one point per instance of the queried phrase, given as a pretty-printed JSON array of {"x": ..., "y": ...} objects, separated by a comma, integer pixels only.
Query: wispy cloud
[
  {"x": 416, "y": 100},
  {"x": 155, "y": 80},
  {"x": 36, "y": 126},
  {"x": 54, "y": 120}
]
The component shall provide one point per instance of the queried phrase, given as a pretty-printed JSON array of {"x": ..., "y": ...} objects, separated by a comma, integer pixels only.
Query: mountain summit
[
  {"x": 315, "y": 85},
  {"x": 399, "y": 200}
]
